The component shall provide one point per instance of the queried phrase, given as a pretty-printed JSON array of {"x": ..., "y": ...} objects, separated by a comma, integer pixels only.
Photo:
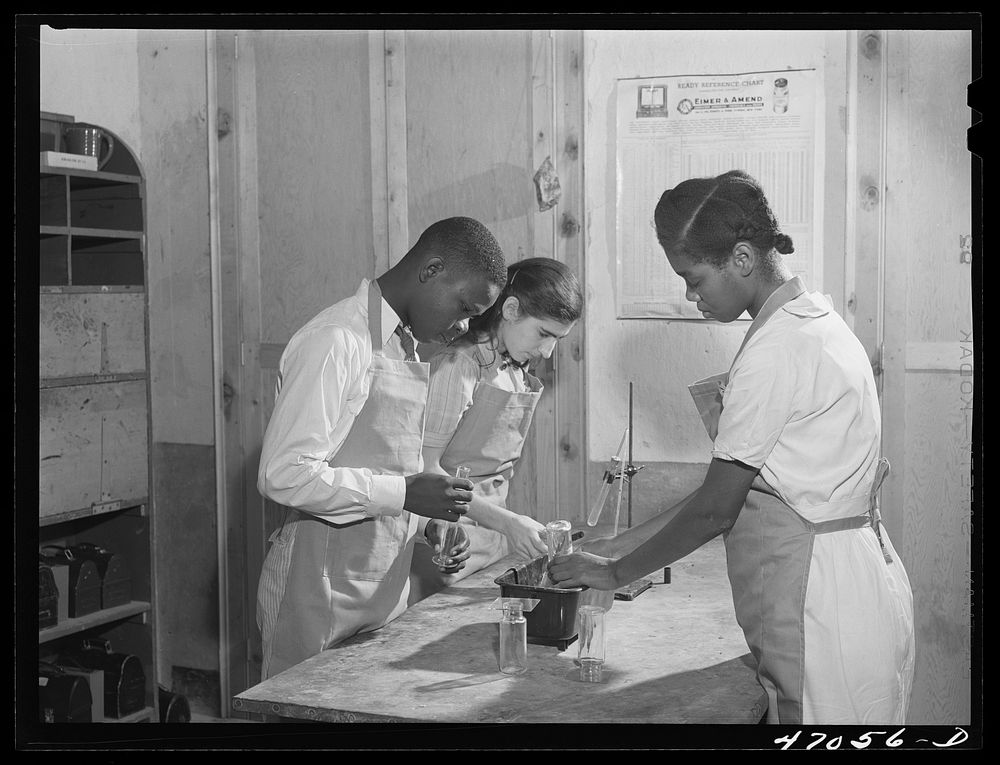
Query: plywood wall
[
  {"x": 468, "y": 112},
  {"x": 929, "y": 337},
  {"x": 314, "y": 168}
]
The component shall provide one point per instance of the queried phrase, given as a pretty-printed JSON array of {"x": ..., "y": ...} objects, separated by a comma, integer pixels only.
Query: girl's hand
[
  {"x": 525, "y": 536},
  {"x": 583, "y": 568}
]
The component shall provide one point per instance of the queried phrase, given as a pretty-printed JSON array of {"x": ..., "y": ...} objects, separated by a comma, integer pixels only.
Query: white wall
[
  {"x": 92, "y": 75},
  {"x": 661, "y": 357}
]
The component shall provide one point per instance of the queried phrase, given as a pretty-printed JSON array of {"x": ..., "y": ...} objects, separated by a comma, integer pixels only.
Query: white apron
[
  {"x": 323, "y": 582},
  {"x": 829, "y": 620},
  {"x": 489, "y": 440}
]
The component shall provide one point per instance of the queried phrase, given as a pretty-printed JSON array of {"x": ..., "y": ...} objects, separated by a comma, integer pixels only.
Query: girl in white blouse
[
  {"x": 481, "y": 401},
  {"x": 823, "y": 598}
]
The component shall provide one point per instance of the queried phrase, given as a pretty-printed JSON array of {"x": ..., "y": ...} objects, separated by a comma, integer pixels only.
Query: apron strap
[
  {"x": 375, "y": 315},
  {"x": 839, "y": 524},
  {"x": 874, "y": 516}
]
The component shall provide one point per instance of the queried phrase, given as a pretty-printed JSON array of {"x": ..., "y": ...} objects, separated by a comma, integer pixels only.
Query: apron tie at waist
[
  {"x": 839, "y": 524},
  {"x": 857, "y": 512}
]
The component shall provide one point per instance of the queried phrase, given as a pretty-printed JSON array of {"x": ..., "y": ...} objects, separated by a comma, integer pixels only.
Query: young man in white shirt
[{"x": 342, "y": 450}]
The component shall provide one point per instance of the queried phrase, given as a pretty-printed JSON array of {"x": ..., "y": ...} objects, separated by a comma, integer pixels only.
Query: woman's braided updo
[{"x": 704, "y": 218}]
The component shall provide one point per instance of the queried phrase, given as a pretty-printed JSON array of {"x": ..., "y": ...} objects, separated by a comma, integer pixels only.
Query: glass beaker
[
  {"x": 558, "y": 537},
  {"x": 442, "y": 558},
  {"x": 591, "y": 643}
]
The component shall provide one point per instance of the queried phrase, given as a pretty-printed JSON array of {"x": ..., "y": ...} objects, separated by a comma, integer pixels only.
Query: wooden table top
[{"x": 675, "y": 654}]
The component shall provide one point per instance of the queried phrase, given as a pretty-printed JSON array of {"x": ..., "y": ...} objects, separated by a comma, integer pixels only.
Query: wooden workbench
[{"x": 675, "y": 654}]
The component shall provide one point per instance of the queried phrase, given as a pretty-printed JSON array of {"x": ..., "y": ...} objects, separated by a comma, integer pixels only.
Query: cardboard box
[{"x": 64, "y": 159}]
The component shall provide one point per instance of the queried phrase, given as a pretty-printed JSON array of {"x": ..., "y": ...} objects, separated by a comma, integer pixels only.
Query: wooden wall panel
[
  {"x": 933, "y": 540},
  {"x": 174, "y": 157},
  {"x": 91, "y": 334},
  {"x": 92, "y": 445},
  {"x": 313, "y": 173},
  {"x": 926, "y": 422},
  {"x": 569, "y": 443},
  {"x": 468, "y": 115}
]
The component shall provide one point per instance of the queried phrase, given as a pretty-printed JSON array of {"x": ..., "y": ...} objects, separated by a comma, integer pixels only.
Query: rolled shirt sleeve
[{"x": 322, "y": 387}]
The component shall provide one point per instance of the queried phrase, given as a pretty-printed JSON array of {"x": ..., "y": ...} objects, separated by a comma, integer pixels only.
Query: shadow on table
[
  {"x": 720, "y": 694},
  {"x": 478, "y": 664},
  {"x": 725, "y": 693}
]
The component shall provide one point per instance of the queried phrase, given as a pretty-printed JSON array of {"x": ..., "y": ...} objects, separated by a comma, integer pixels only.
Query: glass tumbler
[
  {"x": 442, "y": 558},
  {"x": 591, "y": 643}
]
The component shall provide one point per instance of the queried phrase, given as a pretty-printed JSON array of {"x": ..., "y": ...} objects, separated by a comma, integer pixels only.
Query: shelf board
[
  {"x": 96, "y": 177},
  {"x": 91, "y": 233},
  {"x": 59, "y": 289},
  {"x": 65, "y": 382},
  {"x": 94, "y": 510},
  {"x": 96, "y": 619},
  {"x": 104, "y": 233}
]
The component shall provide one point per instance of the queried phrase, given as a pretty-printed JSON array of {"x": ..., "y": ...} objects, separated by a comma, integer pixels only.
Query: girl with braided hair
[{"x": 821, "y": 595}]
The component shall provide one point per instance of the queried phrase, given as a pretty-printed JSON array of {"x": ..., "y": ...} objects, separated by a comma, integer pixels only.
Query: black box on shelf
[
  {"x": 173, "y": 707},
  {"x": 63, "y": 697},
  {"x": 95, "y": 679},
  {"x": 124, "y": 677},
  {"x": 48, "y": 597},
  {"x": 116, "y": 582},
  {"x": 83, "y": 582}
]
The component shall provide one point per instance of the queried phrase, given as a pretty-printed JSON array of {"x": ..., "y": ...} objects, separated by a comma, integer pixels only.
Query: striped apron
[{"x": 488, "y": 440}]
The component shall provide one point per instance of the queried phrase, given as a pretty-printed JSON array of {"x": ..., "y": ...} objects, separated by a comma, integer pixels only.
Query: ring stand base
[{"x": 633, "y": 590}]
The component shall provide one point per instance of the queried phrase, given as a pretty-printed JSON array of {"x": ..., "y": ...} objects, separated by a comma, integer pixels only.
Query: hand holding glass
[{"x": 442, "y": 558}]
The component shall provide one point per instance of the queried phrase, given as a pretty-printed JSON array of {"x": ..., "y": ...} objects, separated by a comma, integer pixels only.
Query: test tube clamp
[{"x": 625, "y": 472}]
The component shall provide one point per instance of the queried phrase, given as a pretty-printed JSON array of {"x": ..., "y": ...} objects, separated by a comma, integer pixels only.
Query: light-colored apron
[
  {"x": 770, "y": 555},
  {"x": 489, "y": 440},
  {"x": 323, "y": 582}
]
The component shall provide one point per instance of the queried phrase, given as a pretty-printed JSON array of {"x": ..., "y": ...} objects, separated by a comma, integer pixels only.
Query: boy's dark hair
[{"x": 466, "y": 245}]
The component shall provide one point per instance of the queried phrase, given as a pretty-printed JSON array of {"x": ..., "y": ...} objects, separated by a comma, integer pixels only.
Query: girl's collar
[{"x": 508, "y": 361}]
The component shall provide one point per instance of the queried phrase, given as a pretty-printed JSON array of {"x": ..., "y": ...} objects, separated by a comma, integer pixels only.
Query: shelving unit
[{"x": 95, "y": 473}]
